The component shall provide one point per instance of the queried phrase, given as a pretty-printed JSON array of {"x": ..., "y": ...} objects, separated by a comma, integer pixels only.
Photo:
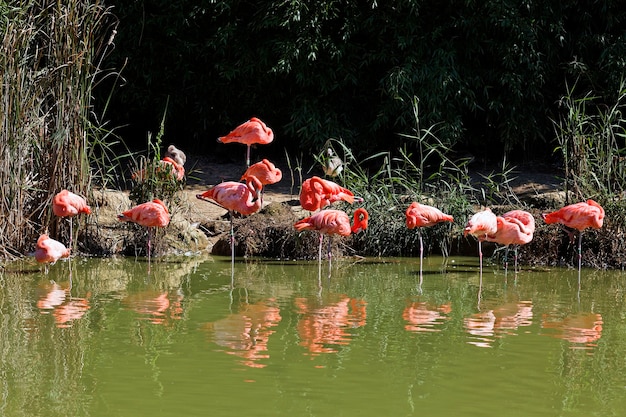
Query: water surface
[{"x": 104, "y": 337}]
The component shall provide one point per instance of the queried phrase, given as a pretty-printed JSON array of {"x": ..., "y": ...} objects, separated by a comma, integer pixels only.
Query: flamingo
[
  {"x": 317, "y": 193},
  {"x": 176, "y": 169},
  {"x": 49, "y": 250},
  {"x": 235, "y": 196},
  {"x": 579, "y": 216},
  {"x": 68, "y": 204},
  {"x": 266, "y": 172},
  {"x": 333, "y": 222},
  {"x": 515, "y": 227},
  {"x": 480, "y": 225},
  {"x": 251, "y": 132},
  {"x": 333, "y": 165},
  {"x": 420, "y": 215},
  {"x": 150, "y": 214},
  {"x": 176, "y": 154}
]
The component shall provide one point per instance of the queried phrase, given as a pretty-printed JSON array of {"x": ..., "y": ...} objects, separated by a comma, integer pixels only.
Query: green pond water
[{"x": 107, "y": 337}]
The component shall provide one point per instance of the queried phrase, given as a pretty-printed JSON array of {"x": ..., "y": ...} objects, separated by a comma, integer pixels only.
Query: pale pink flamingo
[
  {"x": 68, "y": 204},
  {"x": 266, "y": 172},
  {"x": 150, "y": 214},
  {"x": 515, "y": 227},
  {"x": 49, "y": 251},
  {"x": 235, "y": 197},
  {"x": 579, "y": 216},
  {"x": 254, "y": 131},
  {"x": 420, "y": 215},
  {"x": 480, "y": 225}
]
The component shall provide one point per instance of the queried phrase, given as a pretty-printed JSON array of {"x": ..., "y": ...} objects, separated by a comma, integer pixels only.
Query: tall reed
[{"x": 49, "y": 63}]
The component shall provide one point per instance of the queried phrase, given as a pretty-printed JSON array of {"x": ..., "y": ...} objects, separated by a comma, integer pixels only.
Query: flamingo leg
[
  {"x": 319, "y": 257},
  {"x": 480, "y": 258},
  {"x": 506, "y": 259},
  {"x": 330, "y": 254},
  {"x": 421, "y": 256},
  {"x": 248, "y": 157},
  {"x": 71, "y": 235},
  {"x": 232, "y": 242},
  {"x": 149, "y": 243},
  {"x": 580, "y": 250}
]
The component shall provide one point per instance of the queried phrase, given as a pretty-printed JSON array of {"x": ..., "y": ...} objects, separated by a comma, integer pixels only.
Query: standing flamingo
[
  {"x": 515, "y": 227},
  {"x": 420, "y": 215},
  {"x": 480, "y": 225},
  {"x": 333, "y": 222},
  {"x": 49, "y": 250},
  {"x": 251, "y": 132},
  {"x": 68, "y": 204},
  {"x": 150, "y": 214},
  {"x": 317, "y": 193},
  {"x": 579, "y": 216},
  {"x": 266, "y": 172},
  {"x": 235, "y": 196}
]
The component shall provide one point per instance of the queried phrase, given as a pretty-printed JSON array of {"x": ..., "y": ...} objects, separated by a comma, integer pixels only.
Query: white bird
[{"x": 333, "y": 164}]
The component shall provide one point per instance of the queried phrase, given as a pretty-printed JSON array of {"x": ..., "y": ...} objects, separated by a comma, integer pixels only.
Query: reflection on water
[
  {"x": 116, "y": 341},
  {"x": 246, "y": 333},
  {"x": 497, "y": 322},
  {"x": 158, "y": 307},
  {"x": 422, "y": 317},
  {"x": 582, "y": 330},
  {"x": 323, "y": 328},
  {"x": 64, "y": 307}
]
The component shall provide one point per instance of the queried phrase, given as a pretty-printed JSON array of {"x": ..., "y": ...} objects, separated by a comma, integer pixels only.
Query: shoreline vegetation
[{"x": 53, "y": 138}]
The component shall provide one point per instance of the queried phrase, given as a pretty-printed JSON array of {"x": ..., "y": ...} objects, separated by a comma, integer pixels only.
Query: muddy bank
[{"x": 198, "y": 227}]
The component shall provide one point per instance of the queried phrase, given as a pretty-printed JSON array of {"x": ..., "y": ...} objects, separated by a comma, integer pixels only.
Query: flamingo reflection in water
[
  {"x": 158, "y": 307},
  {"x": 246, "y": 333},
  {"x": 423, "y": 317},
  {"x": 322, "y": 329},
  {"x": 582, "y": 330},
  {"x": 57, "y": 300},
  {"x": 494, "y": 323}
]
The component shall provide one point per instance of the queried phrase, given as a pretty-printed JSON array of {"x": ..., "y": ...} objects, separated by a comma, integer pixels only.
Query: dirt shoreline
[{"x": 198, "y": 227}]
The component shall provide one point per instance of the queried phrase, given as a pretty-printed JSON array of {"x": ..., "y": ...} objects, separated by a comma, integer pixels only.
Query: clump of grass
[
  {"x": 50, "y": 58},
  {"x": 151, "y": 179},
  {"x": 590, "y": 137},
  {"x": 396, "y": 180}
]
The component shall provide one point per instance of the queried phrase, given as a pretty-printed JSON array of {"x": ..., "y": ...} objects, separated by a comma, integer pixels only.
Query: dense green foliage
[{"x": 488, "y": 74}]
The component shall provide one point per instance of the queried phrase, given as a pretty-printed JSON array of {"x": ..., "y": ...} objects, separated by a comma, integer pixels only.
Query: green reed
[{"x": 49, "y": 63}]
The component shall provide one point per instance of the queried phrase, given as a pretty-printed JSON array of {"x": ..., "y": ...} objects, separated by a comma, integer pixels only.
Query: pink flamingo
[
  {"x": 317, "y": 193},
  {"x": 235, "y": 197},
  {"x": 49, "y": 251},
  {"x": 150, "y": 214},
  {"x": 177, "y": 170},
  {"x": 251, "y": 132},
  {"x": 515, "y": 227},
  {"x": 266, "y": 172},
  {"x": 68, "y": 204},
  {"x": 480, "y": 225},
  {"x": 579, "y": 216},
  {"x": 420, "y": 215},
  {"x": 333, "y": 222}
]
